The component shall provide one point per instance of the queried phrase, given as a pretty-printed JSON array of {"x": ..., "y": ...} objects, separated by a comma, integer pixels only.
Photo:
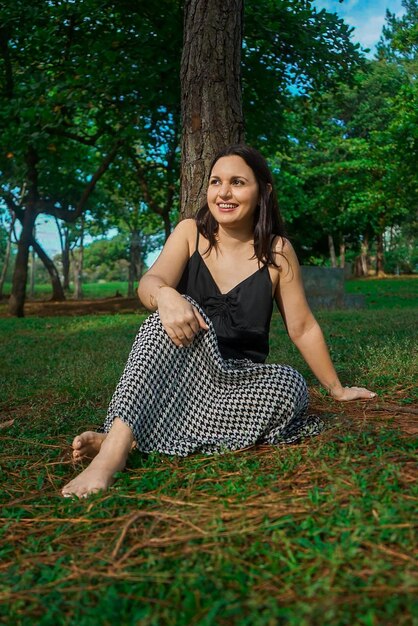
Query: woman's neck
[{"x": 234, "y": 237}]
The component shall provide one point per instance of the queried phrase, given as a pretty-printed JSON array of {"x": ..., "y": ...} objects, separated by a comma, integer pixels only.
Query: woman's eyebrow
[{"x": 231, "y": 177}]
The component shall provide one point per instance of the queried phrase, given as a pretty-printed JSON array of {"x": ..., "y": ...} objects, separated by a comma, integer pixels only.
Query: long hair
[{"x": 267, "y": 219}]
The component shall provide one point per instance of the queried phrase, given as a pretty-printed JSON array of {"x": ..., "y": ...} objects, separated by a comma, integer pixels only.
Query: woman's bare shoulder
[
  {"x": 186, "y": 230},
  {"x": 281, "y": 245},
  {"x": 186, "y": 226},
  {"x": 283, "y": 251},
  {"x": 286, "y": 259}
]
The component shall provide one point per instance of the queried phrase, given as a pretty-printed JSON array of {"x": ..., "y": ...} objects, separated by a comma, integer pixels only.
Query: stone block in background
[{"x": 324, "y": 287}]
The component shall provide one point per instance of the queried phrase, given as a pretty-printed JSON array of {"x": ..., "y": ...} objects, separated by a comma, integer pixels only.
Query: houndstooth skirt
[{"x": 180, "y": 401}]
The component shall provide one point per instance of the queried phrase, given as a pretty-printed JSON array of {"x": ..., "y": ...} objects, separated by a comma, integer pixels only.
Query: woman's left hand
[{"x": 345, "y": 394}]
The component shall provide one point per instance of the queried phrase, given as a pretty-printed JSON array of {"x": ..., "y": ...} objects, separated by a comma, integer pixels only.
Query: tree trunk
[
  {"x": 20, "y": 273},
  {"x": 7, "y": 256},
  {"x": 64, "y": 235},
  {"x": 78, "y": 266},
  {"x": 65, "y": 259},
  {"x": 379, "y": 255},
  {"x": 342, "y": 254},
  {"x": 167, "y": 225},
  {"x": 210, "y": 79},
  {"x": 58, "y": 294},
  {"x": 364, "y": 256},
  {"x": 32, "y": 272},
  {"x": 332, "y": 254},
  {"x": 77, "y": 271},
  {"x": 135, "y": 263},
  {"x": 361, "y": 267}
]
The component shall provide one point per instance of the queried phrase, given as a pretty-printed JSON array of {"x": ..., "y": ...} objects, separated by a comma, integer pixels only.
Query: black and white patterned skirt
[{"x": 184, "y": 400}]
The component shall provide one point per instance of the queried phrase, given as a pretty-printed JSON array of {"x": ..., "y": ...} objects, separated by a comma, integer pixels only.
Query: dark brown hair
[{"x": 267, "y": 219}]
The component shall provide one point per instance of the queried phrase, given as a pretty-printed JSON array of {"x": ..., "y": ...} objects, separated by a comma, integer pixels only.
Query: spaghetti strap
[{"x": 197, "y": 239}]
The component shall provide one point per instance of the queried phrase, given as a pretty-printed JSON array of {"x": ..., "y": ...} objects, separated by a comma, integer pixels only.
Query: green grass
[
  {"x": 322, "y": 532},
  {"x": 388, "y": 293},
  {"x": 90, "y": 290}
]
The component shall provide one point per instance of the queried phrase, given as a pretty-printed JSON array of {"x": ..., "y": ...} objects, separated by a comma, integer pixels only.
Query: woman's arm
[
  {"x": 157, "y": 288},
  {"x": 304, "y": 330}
]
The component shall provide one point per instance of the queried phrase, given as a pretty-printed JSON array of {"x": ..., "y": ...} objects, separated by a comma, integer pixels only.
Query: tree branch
[
  {"x": 143, "y": 184},
  {"x": 87, "y": 141},
  {"x": 71, "y": 215}
]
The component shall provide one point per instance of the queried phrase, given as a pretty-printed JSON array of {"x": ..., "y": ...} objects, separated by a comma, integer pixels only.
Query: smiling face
[{"x": 233, "y": 192}]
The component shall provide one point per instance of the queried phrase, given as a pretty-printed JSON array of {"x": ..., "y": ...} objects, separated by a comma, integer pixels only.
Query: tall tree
[
  {"x": 210, "y": 90},
  {"x": 285, "y": 45}
]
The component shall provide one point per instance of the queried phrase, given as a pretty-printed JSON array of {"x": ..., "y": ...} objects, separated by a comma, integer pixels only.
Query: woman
[{"x": 195, "y": 379}]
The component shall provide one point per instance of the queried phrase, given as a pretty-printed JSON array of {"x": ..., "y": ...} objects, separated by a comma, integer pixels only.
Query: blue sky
[{"x": 367, "y": 17}]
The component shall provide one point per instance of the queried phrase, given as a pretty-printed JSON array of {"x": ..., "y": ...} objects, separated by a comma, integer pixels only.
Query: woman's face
[{"x": 233, "y": 192}]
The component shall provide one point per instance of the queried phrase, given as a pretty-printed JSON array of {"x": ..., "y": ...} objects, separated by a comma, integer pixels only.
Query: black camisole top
[{"x": 241, "y": 317}]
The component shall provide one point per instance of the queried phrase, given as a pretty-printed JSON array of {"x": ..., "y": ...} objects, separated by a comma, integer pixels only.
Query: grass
[
  {"x": 323, "y": 532},
  {"x": 388, "y": 293},
  {"x": 90, "y": 290}
]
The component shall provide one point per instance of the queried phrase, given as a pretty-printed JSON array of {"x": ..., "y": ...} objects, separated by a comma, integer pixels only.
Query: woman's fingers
[
  {"x": 183, "y": 335},
  {"x": 356, "y": 393},
  {"x": 182, "y": 322},
  {"x": 201, "y": 322}
]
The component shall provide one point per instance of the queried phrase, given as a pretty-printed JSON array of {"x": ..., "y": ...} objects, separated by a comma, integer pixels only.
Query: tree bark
[
  {"x": 342, "y": 254},
  {"x": 135, "y": 263},
  {"x": 167, "y": 225},
  {"x": 332, "y": 254},
  {"x": 210, "y": 79},
  {"x": 365, "y": 255},
  {"x": 361, "y": 267},
  {"x": 7, "y": 255},
  {"x": 379, "y": 255},
  {"x": 64, "y": 236},
  {"x": 58, "y": 294},
  {"x": 65, "y": 260},
  {"x": 32, "y": 272},
  {"x": 78, "y": 266},
  {"x": 20, "y": 273}
]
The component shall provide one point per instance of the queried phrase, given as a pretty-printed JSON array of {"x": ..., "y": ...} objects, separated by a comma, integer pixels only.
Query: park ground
[{"x": 321, "y": 532}]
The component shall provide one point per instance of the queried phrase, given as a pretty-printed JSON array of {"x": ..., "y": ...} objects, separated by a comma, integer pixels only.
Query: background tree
[
  {"x": 341, "y": 168},
  {"x": 77, "y": 85},
  {"x": 7, "y": 224}
]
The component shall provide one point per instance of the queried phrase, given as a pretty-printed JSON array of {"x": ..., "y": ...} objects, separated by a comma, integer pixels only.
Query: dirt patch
[{"x": 46, "y": 308}]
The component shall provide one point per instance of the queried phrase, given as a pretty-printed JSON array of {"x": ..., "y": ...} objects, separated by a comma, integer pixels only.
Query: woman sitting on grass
[{"x": 195, "y": 380}]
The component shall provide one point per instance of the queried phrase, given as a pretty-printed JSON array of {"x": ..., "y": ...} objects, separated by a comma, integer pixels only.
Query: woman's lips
[{"x": 226, "y": 206}]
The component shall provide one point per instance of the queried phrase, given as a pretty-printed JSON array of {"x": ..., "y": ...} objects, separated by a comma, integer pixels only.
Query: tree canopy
[{"x": 90, "y": 107}]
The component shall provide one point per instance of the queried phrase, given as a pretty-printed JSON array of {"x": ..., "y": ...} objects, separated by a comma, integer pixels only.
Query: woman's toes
[{"x": 77, "y": 443}]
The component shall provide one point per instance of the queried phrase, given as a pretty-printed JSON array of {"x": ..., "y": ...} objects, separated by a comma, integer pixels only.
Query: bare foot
[
  {"x": 96, "y": 477},
  {"x": 87, "y": 445},
  {"x": 110, "y": 458}
]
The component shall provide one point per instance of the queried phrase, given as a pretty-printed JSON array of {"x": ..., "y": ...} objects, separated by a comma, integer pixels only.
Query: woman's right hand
[{"x": 181, "y": 320}]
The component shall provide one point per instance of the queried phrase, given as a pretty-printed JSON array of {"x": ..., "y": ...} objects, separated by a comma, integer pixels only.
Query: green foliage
[
  {"x": 72, "y": 79},
  {"x": 76, "y": 76},
  {"x": 108, "y": 259},
  {"x": 289, "y": 46},
  {"x": 399, "y": 41},
  {"x": 341, "y": 173}
]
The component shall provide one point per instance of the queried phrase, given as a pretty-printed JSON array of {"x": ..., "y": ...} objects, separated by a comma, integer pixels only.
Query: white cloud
[{"x": 367, "y": 31}]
